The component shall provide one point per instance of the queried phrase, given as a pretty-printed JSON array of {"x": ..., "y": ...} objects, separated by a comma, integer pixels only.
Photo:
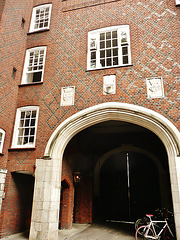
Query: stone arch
[{"x": 141, "y": 116}]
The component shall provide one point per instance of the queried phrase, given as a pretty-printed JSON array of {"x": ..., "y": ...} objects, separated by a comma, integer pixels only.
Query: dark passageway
[{"x": 122, "y": 166}]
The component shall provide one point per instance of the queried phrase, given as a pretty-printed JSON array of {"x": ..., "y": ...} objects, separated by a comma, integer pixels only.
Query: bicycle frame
[{"x": 151, "y": 226}]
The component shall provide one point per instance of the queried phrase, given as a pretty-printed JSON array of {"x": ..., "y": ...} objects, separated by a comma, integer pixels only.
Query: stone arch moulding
[{"x": 155, "y": 122}]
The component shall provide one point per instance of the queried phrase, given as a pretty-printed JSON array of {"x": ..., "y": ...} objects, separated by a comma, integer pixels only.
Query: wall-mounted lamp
[{"x": 77, "y": 177}]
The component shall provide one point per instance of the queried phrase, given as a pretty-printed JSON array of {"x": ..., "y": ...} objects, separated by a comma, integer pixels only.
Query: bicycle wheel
[
  {"x": 167, "y": 235},
  {"x": 138, "y": 223},
  {"x": 139, "y": 235}
]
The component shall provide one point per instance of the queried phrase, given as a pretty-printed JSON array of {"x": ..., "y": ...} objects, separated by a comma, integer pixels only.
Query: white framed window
[
  {"x": 109, "y": 47},
  {"x": 25, "y": 127},
  {"x": 34, "y": 65},
  {"x": 2, "y": 136},
  {"x": 40, "y": 18}
]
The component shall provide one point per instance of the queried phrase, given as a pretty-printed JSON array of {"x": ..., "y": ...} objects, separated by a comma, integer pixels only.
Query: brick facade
[{"x": 154, "y": 35}]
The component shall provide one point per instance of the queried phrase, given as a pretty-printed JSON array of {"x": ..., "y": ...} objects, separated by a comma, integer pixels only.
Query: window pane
[
  {"x": 102, "y": 36},
  {"x": 108, "y": 43},
  {"x": 27, "y": 123},
  {"x": 26, "y": 132},
  {"x": 125, "y": 59},
  {"x": 93, "y": 63},
  {"x": 124, "y": 51},
  {"x": 33, "y": 114},
  {"x": 93, "y": 55},
  {"x": 21, "y": 132},
  {"x": 114, "y": 34},
  {"x": 37, "y": 77},
  {"x": 108, "y": 35},
  {"x": 20, "y": 139},
  {"x": 108, "y": 53},
  {"x": 102, "y": 44},
  {"x": 45, "y": 24},
  {"x": 115, "y": 43},
  {"x": 115, "y": 61},
  {"x": 102, "y": 62},
  {"x": 29, "y": 69},
  {"x": 21, "y": 124},
  {"x": 33, "y": 122},
  {"x": 31, "y": 139},
  {"x": 28, "y": 114},
  {"x": 32, "y": 131},
  {"x": 25, "y": 140},
  {"x": 102, "y": 54},
  {"x": 115, "y": 52},
  {"x": 22, "y": 115},
  {"x": 108, "y": 62}
]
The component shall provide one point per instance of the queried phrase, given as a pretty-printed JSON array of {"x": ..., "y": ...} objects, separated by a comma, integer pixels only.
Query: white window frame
[
  {"x": 95, "y": 36},
  {"x": 34, "y": 19},
  {"x": 177, "y": 2},
  {"x": 2, "y": 139},
  {"x": 17, "y": 127},
  {"x": 27, "y": 76}
]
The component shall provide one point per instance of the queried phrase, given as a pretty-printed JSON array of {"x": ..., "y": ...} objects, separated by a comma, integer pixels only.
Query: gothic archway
[{"x": 141, "y": 116}]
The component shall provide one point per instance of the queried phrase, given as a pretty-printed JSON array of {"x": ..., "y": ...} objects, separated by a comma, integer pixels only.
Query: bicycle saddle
[{"x": 149, "y": 215}]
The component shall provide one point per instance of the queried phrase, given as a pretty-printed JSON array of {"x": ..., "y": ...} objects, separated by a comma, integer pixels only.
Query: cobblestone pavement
[{"x": 108, "y": 231}]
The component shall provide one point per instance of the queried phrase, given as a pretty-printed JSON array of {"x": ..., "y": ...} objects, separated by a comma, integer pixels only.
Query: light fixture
[{"x": 77, "y": 177}]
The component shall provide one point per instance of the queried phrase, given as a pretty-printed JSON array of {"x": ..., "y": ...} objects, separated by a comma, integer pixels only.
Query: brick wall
[
  {"x": 13, "y": 43},
  {"x": 83, "y": 200},
  {"x": 1, "y": 7}
]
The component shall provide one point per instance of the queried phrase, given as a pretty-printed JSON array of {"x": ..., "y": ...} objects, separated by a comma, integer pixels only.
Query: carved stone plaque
[
  {"x": 67, "y": 96},
  {"x": 109, "y": 84},
  {"x": 155, "y": 87}
]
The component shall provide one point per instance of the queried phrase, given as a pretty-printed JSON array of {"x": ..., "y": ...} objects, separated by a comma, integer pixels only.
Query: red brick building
[{"x": 90, "y": 112}]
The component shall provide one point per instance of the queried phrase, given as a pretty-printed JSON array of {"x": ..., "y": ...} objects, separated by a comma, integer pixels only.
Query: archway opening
[
  {"x": 22, "y": 198},
  {"x": 107, "y": 190}
]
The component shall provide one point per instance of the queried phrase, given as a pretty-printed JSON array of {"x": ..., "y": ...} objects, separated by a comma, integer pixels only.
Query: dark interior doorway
[
  {"x": 22, "y": 198},
  {"x": 129, "y": 187},
  {"x": 111, "y": 198},
  {"x": 63, "y": 223}
]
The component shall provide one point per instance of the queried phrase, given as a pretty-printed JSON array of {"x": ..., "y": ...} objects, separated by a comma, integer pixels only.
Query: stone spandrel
[
  {"x": 67, "y": 96},
  {"x": 155, "y": 87},
  {"x": 109, "y": 84}
]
